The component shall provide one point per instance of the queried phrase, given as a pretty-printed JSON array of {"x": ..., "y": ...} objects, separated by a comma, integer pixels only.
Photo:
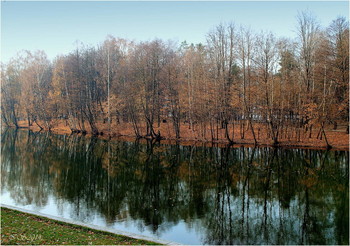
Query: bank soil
[{"x": 241, "y": 134}]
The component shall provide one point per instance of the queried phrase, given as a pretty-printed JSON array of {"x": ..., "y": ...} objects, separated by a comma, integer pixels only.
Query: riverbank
[
  {"x": 27, "y": 229},
  {"x": 289, "y": 138}
]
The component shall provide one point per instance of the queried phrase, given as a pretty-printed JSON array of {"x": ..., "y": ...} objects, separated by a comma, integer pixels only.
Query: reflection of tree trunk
[
  {"x": 306, "y": 219},
  {"x": 245, "y": 189},
  {"x": 4, "y": 135},
  {"x": 220, "y": 224},
  {"x": 323, "y": 160},
  {"x": 266, "y": 192},
  {"x": 266, "y": 189}
]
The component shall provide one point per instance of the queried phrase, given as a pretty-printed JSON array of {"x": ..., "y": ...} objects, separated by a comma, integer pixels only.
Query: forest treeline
[{"x": 238, "y": 79}]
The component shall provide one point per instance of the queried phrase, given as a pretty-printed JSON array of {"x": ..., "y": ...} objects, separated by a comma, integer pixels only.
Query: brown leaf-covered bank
[{"x": 291, "y": 138}]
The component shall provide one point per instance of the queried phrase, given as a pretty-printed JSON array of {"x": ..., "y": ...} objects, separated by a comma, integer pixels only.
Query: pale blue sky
[{"x": 55, "y": 26}]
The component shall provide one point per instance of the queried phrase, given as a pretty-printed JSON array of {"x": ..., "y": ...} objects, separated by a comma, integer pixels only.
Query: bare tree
[
  {"x": 245, "y": 53},
  {"x": 307, "y": 30},
  {"x": 265, "y": 62}
]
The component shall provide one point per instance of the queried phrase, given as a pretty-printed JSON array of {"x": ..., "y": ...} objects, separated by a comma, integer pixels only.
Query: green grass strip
[{"x": 18, "y": 228}]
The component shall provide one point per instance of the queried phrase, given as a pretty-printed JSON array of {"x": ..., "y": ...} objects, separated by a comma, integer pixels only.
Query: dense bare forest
[{"x": 239, "y": 86}]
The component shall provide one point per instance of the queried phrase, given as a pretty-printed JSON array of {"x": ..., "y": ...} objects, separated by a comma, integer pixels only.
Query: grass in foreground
[{"x": 23, "y": 228}]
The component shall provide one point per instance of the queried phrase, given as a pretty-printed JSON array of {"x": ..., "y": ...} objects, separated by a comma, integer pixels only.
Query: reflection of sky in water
[
  {"x": 179, "y": 232},
  {"x": 201, "y": 197},
  {"x": 183, "y": 232}
]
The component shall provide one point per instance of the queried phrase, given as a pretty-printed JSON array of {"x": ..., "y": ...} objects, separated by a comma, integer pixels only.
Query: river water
[{"x": 185, "y": 194}]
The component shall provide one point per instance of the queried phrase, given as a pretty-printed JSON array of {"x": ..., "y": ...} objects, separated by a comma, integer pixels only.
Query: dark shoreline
[{"x": 192, "y": 142}]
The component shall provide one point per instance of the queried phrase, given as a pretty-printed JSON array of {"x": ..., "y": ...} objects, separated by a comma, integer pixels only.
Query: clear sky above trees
[{"x": 56, "y": 26}]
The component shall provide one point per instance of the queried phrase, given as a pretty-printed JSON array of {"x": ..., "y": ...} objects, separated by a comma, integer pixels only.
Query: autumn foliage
[{"x": 239, "y": 87}]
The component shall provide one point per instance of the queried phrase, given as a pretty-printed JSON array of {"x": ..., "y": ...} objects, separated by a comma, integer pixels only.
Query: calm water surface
[{"x": 186, "y": 194}]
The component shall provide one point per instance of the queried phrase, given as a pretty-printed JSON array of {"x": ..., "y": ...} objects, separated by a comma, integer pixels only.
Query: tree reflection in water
[{"x": 228, "y": 195}]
